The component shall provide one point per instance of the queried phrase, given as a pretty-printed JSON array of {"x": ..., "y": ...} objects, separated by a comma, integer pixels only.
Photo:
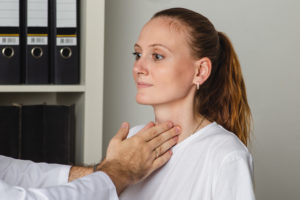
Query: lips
[{"x": 143, "y": 85}]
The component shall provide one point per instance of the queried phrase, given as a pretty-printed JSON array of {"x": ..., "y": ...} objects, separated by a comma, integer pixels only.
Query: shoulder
[
  {"x": 135, "y": 129},
  {"x": 224, "y": 139},
  {"x": 233, "y": 166},
  {"x": 223, "y": 144}
]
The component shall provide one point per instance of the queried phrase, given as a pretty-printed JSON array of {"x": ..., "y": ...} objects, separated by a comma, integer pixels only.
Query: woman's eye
[
  {"x": 137, "y": 55},
  {"x": 157, "y": 56}
]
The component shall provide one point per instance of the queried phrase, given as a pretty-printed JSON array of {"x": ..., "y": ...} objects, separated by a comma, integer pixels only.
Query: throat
[
  {"x": 184, "y": 118},
  {"x": 182, "y": 113}
]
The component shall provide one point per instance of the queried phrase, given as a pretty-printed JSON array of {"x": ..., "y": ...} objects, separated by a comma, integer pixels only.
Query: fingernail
[
  {"x": 170, "y": 124},
  {"x": 124, "y": 125},
  {"x": 170, "y": 152},
  {"x": 177, "y": 129}
]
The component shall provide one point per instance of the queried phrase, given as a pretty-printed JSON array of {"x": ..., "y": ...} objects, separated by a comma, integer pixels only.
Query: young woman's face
[{"x": 164, "y": 68}]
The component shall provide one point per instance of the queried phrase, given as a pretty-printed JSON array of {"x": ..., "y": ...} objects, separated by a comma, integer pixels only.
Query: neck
[{"x": 180, "y": 112}]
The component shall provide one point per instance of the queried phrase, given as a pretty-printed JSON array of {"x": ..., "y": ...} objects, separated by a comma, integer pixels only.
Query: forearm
[
  {"x": 114, "y": 170},
  {"x": 78, "y": 172}
]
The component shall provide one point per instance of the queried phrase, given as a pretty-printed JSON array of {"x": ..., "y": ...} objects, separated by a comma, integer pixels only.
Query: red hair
[{"x": 222, "y": 97}]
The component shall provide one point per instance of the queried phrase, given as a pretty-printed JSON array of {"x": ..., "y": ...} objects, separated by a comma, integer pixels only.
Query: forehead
[{"x": 163, "y": 30}]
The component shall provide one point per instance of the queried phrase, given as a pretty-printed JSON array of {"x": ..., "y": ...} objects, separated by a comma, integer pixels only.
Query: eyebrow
[{"x": 153, "y": 45}]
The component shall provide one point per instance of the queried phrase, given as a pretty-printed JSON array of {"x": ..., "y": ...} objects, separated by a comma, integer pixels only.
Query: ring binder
[
  {"x": 10, "y": 131},
  {"x": 64, "y": 41},
  {"x": 10, "y": 65},
  {"x": 35, "y": 41},
  {"x": 48, "y": 133}
]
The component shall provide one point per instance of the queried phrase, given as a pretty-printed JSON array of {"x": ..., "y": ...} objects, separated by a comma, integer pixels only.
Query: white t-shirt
[
  {"x": 26, "y": 180},
  {"x": 211, "y": 164}
]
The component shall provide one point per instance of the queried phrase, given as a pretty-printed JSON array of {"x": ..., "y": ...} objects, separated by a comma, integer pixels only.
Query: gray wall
[{"x": 265, "y": 34}]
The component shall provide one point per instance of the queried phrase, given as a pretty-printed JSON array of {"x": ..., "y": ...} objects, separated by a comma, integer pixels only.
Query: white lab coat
[{"x": 26, "y": 180}]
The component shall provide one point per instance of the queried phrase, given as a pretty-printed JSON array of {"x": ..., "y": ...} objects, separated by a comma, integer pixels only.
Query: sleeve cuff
[
  {"x": 63, "y": 175},
  {"x": 106, "y": 178}
]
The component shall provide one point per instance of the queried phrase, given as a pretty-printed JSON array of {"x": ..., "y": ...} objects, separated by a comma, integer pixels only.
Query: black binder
[
  {"x": 35, "y": 49},
  {"x": 10, "y": 69},
  {"x": 10, "y": 131},
  {"x": 64, "y": 41},
  {"x": 32, "y": 133},
  {"x": 59, "y": 137},
  {"x": 48, "y": 133}
]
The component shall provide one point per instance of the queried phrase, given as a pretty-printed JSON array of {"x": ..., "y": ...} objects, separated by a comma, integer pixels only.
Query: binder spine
[
  {"x": 41, "y": 133},
  {"x": 36, "y": 58},
  {"x": 10, "y": 42},
  {"x": 19, "y": 130},
  {"x": 59, "y": 134},
  {"x": 71, "y": 135},
  {"x": 65, "y": 69},
  {"x": 52, "y": 37},
  {"x": 23, "y": 33},
  {"x": 10, "y": 65},
  {"x": 9, "y": 125},
  {"x": 32, "y": 133}
]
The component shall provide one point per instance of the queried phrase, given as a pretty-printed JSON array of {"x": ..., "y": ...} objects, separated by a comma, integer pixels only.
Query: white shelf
[
  {"x": 42, "y": 88},
  {"x": 87, "y": 96}
]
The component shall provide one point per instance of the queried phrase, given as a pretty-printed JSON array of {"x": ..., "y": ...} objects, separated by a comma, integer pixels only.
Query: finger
[
  {"x": 166, "y": 146},
  {"x": 123, "y": 131},
  {"x": 160, "y": 161},
  {"x": 157, "y": 130},
  {"x": 143, "y": 130},
  {"x": 162, "y": 138}
]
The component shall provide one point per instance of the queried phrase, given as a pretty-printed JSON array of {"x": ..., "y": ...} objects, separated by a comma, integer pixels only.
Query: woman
[{"x": 189, "y": 73}]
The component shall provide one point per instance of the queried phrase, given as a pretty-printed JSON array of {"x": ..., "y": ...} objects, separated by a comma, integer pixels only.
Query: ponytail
[{"x": 222, "y": 97}]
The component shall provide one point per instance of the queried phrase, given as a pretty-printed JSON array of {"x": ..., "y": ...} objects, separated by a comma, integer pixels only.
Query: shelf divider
[{"x": 41, "y": 88}]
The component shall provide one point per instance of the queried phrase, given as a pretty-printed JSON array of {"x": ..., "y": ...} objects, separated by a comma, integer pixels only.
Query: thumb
[{"x": 123, "y": 131}]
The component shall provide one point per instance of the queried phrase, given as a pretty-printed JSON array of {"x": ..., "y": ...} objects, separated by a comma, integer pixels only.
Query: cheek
[
  {"x": 177, "y": 75},
  {"x": 173, "y": 81}
]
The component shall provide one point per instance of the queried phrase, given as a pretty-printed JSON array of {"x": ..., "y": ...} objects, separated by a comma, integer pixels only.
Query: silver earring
[{"x": 197, "y": 86}]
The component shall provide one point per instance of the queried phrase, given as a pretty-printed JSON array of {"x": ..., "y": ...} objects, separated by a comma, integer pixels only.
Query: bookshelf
[{"x": 87, "y": 96}]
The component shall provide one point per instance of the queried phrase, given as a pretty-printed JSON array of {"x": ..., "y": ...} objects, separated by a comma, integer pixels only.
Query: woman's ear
[{"x": 202, "y": 70}]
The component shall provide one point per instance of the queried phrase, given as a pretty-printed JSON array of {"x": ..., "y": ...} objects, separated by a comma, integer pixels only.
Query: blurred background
[{"x": 265, "y": 35}]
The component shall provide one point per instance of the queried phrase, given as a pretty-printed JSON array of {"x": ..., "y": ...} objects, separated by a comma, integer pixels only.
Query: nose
[{"x": 140, "y": 67}]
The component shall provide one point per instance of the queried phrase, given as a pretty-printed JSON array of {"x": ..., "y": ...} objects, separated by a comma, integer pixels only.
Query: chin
[
  {"x": 146, "y": 100},
  {"x": 143, "y": 100}
]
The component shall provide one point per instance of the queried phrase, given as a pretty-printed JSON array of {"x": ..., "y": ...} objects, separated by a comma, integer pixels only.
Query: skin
[
  {"x": 131, "y": 160},
  {"x": 164, "y": 61}
]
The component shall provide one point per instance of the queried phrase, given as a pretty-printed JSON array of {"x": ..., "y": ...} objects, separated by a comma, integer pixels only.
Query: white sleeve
[
  {"x": 235, "y": 178},
  {"x": 26, "y": 173},
  {"x": 94, "y": 186}
]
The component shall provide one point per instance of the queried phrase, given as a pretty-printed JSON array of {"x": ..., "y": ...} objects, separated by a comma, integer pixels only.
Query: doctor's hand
[{"x": 131, "y": 160}]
